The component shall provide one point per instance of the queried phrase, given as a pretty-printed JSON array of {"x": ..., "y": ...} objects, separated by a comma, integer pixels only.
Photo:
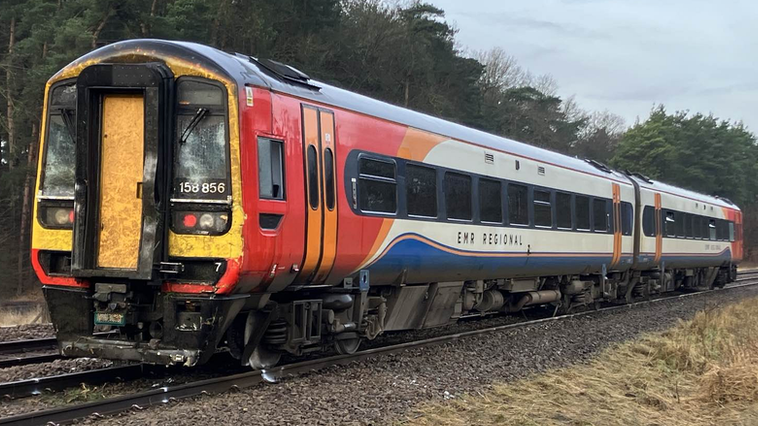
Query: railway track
[{"x": 247, "y": 379}]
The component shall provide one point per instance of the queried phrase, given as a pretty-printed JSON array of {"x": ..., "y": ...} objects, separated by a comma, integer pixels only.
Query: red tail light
[{"x": 189, "y": 220}]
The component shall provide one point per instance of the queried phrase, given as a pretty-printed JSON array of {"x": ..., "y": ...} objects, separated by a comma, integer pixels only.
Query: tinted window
[
  {"x": 329, "y": 178},
  {"x": 731, "y": 231},
  {"x": 679, "y": 224},
  {"x": 378, "y": 188},
  {"x": 582, "y": 212},
  {"x": 490, "y": 201},
  {"x": 270, "y": 169},
  {"x": 712, "y": 229},
  {"x": 722, "y": 230},
  {"x": 627, "y": 218},
  {"x": 563, "y": 210},
  {"x": 648, "y": 221},
  {"x": 370, "y": 167},
  {"x": 687, "y": 225},
  {"x": 312, "y": 177},
  {"x": 670, "y": 224},
  {"x": 543, "y": 209},
  {"x": 518, "y": 210},
  {"x": 696, "y": 226},
  {"x": 458, "y": 196},
  {"x": 421, "y": 190},
  {"x": 600, "y": 215}
]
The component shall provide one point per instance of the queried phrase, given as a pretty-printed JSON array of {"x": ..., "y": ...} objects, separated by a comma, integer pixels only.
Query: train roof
[
  {"x": 658, "y": 186},
  {"x": 281, "y": 78}
]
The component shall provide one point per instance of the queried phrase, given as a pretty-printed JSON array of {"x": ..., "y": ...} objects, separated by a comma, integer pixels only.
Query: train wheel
[
  {"x": 263, "y": 358},
  {"x": 347, "y": 346}
]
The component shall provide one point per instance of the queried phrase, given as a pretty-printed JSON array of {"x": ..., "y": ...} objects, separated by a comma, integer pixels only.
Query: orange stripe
[
  {"x": 616, "y": 225},
  {"x": 314, "y": 217},
  {"x": 658, "y": 229},
  {"x": 329, "y": 248}
]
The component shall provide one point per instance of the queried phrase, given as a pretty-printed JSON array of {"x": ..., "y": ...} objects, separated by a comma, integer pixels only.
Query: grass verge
[
  {"x": 11, "y": 318},
  {"x": 700, "y": 372}
]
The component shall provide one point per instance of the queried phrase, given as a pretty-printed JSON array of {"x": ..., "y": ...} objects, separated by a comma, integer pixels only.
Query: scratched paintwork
[{"x": 229, "y": 245}]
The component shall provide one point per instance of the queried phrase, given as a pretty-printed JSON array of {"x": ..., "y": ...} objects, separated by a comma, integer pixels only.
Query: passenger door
[{"x": 319, "y": 145}]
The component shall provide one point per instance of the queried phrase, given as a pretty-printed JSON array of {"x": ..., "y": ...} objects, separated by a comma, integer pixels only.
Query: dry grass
[
  {"x": 8, "y": 318},
  {"x": 701, "y": 372}
]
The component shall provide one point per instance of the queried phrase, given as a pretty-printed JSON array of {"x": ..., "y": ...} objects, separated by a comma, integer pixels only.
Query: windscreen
[
  {"x": 201, "y": 170},
  {"x": 60, "y": 150}
]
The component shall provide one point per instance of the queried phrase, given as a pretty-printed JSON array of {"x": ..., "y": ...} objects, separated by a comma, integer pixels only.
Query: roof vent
[
  {"x": 598, "y": 165},
  {"x": 489, "y": 158},
  {"x": 282, "y": 71},
  {"x": 541, "y": 171}
]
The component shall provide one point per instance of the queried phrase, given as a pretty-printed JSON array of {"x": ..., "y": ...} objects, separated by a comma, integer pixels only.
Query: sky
[{"x": 626, "y": 56}]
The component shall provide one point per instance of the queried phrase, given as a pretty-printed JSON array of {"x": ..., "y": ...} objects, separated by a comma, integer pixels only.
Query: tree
[{"x": 693, "y": 151}]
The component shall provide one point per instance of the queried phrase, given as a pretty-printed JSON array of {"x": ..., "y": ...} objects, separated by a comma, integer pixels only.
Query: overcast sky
[{"x": 627, "y": 55}]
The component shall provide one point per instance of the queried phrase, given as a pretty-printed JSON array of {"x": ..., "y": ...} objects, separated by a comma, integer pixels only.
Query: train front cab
[{"x": 137, "y": 219}]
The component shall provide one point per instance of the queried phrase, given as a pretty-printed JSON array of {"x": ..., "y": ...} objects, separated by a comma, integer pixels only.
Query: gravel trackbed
[{"x": 386, "y": 388}]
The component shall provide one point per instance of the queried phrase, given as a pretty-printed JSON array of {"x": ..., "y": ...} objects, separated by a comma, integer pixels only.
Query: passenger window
[
  {"x": 518, "y": 210},
  {"x": 600, "y": 213},
  {"x": 670, "y": 224},
  {"x": 582, "y": 212},
  {"x": 543, "y": 209},
  {"x": 648, "y": 221},
  {"x": 696, "y": 227},
  {"x": 731, "y": 231},
  {"x": 712, "y": 229},
  {"x": 270, "y": 169},
  {"x": 679, "y": 224},
  {"x": 378, "y": 187},
  {"x": 627, "y": 218},
  {"x": 687, "y": 224},
  {"x": 722, "y": 231},
  {"x": 458, "y": 196},
  {"x": 421, "y": 190},
  {"x": 563, "y": 210},
  {"x": 490, "y": 201}
]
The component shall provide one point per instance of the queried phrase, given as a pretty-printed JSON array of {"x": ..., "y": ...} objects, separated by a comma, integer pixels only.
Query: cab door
[{"x": 320, "y": 168}]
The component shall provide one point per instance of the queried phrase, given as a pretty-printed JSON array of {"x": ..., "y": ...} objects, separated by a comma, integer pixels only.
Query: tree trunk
[
  {"x": 26, "y": 208},
  {"x": 146, "y": 28},
  {"x": 9, "y": 95},
  {"x": 100, "y": 27}
]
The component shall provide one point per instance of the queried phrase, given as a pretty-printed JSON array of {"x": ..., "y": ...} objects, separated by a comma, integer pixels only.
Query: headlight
[
  {"x": 56, "y": 216},
  {"x": 204, "y": 223}
]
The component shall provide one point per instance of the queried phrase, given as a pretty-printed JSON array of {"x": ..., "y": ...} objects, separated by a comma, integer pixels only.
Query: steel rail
[
  {"x": 221, "y": 384},
  {"x": 15, "y": 361},
  {"x": 31, "y": 387},
  {"x": 15, "y": 346}
]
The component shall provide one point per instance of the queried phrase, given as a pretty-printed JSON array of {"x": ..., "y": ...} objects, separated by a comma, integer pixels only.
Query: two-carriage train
[{"x": 198, "y": 201}]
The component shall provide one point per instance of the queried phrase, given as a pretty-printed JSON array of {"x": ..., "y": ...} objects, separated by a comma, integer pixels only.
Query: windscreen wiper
[
  {"x": 199, "y": 115},
  {"x": 67, "y": 114}
]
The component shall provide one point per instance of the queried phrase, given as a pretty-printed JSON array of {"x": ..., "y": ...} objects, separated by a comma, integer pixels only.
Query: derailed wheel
[
  {"x": 347, "y": 346},
  {"x": 263, "y": 358}
]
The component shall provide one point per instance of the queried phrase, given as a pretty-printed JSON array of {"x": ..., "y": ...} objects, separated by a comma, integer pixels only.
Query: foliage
[{"x": 693, "y": 151}]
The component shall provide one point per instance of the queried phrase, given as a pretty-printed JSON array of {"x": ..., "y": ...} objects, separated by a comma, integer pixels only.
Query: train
[{"x": 194, "y": 201}]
